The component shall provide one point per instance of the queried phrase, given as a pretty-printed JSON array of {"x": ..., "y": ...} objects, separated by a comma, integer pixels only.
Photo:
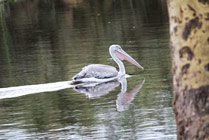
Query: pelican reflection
[
  {"x": 125, "y": 98},
  {"x": 96, "y": 90}
]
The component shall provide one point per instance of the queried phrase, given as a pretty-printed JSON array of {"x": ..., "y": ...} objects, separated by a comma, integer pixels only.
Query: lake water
[{"x": 48, "y": 41}]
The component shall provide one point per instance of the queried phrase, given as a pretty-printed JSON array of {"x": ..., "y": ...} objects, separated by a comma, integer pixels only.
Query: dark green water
[{"x": 47, "y": 41}]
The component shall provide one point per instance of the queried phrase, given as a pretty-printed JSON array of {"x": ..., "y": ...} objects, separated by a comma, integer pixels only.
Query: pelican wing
[{"x": 98, "y": 71}]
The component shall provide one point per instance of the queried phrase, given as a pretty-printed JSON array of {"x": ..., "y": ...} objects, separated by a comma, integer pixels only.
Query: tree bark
[{"x": 189, "y": 44}]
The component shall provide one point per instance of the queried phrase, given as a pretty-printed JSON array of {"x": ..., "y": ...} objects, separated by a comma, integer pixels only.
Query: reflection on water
[
  {"x": 124, "y": 99},
  {"x": 46, "y": 41},
  {"x": 96, "y": 90}
]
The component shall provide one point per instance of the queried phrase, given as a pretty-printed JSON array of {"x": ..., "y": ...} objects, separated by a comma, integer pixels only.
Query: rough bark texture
[{"x": 189, "y": 43}]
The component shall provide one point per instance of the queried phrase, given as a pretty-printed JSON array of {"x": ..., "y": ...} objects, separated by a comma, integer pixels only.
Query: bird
[{"x": 103, "y": 73}]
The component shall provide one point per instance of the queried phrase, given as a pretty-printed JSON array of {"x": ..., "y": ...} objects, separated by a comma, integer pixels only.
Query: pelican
[{"x": 103, "y": 73}]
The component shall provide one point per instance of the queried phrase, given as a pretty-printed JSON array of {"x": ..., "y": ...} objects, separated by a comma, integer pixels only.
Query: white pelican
[{"x": 103, "y": 73}]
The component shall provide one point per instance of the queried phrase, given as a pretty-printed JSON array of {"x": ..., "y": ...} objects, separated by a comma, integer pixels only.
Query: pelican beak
[{"x": 122, "y": 55}]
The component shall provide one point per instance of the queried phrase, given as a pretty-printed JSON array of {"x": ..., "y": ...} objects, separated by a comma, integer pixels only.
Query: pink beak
[{"x": 122, "y": 55}]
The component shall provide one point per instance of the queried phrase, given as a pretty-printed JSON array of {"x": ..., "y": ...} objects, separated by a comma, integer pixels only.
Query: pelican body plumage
[{"x": 104, "y": 73}]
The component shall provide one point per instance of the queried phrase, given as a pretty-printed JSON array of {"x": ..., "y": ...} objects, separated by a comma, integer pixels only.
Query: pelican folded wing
[{"x": 98, "y": 71}]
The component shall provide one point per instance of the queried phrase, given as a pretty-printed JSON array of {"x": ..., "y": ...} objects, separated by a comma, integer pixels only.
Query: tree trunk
[{"x": 189, "y": 43}]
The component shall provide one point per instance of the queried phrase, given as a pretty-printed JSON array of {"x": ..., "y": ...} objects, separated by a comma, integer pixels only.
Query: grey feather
[{"x": 98, "y": 71}]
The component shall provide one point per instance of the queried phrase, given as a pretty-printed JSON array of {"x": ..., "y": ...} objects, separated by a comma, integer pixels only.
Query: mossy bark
[{"x": 189, "y": 43}]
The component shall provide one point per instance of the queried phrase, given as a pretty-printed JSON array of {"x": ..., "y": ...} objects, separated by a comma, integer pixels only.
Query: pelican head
[{"x": 117, "y": 51}]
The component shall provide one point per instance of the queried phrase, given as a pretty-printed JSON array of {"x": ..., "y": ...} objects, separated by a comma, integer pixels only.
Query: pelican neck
[{"x": 122, "y": 70}]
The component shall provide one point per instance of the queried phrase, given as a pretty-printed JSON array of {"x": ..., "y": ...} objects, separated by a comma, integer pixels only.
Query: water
[{"x": 49, "y": 41}]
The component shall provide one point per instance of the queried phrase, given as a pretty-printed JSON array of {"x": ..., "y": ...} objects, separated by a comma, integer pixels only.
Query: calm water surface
[{"x": 47, "y": 41}]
